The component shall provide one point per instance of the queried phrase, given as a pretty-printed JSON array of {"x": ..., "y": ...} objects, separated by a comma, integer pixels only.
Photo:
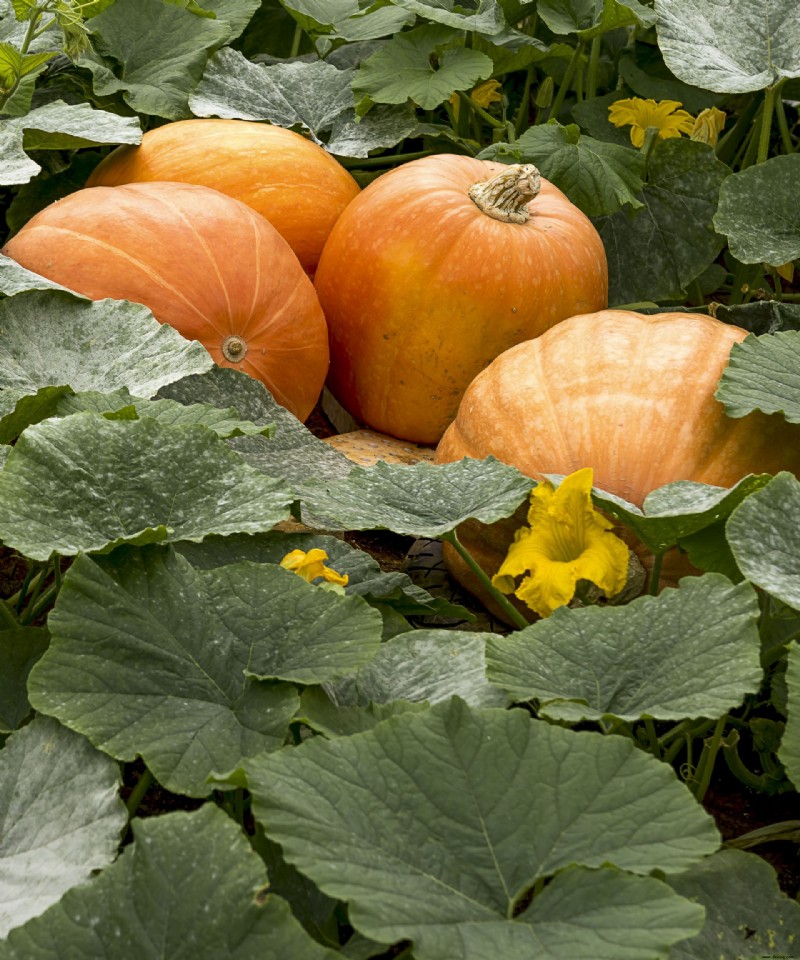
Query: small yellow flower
[
  {"x": 567, "y": 540},
  {"x": 309, "y": 565},
  {"x": 484, "y": 94},
  {"x": 641, "y": 114},
  {"x": 708, "y": 126}
]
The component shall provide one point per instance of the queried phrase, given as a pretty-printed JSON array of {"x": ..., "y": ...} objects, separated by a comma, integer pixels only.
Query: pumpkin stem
[
  {"x": 234, "y": 348},
  {"x": 506, "y": 196}
]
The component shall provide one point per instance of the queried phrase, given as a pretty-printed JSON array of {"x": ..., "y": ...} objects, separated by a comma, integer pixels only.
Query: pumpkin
[
  {"x": 629, "y": 395},
  {"x": 203, "y": 262},
  {"x": 291, "y": 181},
  {"x": 437, "y": 267}
]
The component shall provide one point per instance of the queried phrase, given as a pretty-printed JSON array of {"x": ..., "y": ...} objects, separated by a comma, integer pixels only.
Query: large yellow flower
[
  {"x": 567, "y": 540},
  {"x": 310, "y": 565},
  {"x": 641, "y": 114}
]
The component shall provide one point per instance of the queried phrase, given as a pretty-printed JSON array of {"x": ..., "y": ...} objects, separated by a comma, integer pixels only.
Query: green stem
[
  {"x": 502, "y": 601},
  {"x": 783, "y": 126},
  {"x": 652, "y": 736},
  {"x": 729, "y": 144},
  {"x": 296, "y": 38},
  {"x": 766, "y": 122},
  {"x": 591, "y": 74},
  {"x": 138, "y": 792},
  {"x": 655, "y": 574},
  {"x": 565, "y": 83},
  {"x": 520, "y": 122},
  {"x": 705, "y": 765},
  {"x": 25, "y": 616},
  {"x": 393, "y": 160},
  {"x": 7, "y": 617},
  {"x": 467, "y": 101},
  {"x": 737, "y": 768},
  {"x": 32, "y": 613},
  {"x": 27, "y": 40},
  {"x": 19, "y": 597}
]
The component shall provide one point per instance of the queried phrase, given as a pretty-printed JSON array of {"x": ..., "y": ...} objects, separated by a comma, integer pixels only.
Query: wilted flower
[
  {"x": 641, "y": 114},
  {"x": 484, "y": 94},
  {"x": 310, "y": 565},
  {"x": 708, "y": 126},
  {"x": 567, "y": 540}
]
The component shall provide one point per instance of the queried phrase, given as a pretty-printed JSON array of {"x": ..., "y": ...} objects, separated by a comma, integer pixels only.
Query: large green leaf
[
  {"x": 672, "y": 240},
  {"x": 151, "y": 658},
  {"x": 310, "y": 95},
  {"x": 764, "y": 534},
  {"x": 761, "y": 316},
  {"x": 481, "y": 16},
  {"x": 153, "y": 52},
  {"x": 403, "y": 69},
  {"x": 434, "y": 826},
  {"x": 384, "y": 126},
  {"x": 747, "y": 915},
  {"x": 187, "y": 888},
  {"x": 421, "y": 500},
  {"x": 85, "y": 483},
  {"x": 789, "y": 752},
  {"x": 52, "y": 343},
  {"x": 20, "y": 648},
  {"x": 763, "y": 375},
  {"x": 759, "y": 211},
  {"x": 730, "y": 48},
  {"x": 691, "y": 652},
  {"x": 60, "y": 817},
  {"x": 591, "y": 18}
]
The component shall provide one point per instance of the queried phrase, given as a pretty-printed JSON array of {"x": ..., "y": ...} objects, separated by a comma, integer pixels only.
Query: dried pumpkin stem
[{"x": 506, "y": 196}]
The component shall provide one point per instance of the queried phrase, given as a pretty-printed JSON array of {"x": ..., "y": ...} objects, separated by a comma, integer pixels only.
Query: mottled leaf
[{"x": 763, "y": 375}]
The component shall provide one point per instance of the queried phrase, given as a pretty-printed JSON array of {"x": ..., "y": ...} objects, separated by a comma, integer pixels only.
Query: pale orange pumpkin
[
  {"x": 629, "y": 395},
  {"x": 204, "y": 263},
  {"x": 436, "y": 268},
  {"x": 291, "y": 181}
]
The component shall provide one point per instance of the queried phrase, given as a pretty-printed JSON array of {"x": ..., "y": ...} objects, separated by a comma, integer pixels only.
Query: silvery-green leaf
[
  {"x": 764, "y": 534},
  {"x": 690, "y": 652},
  {"x": 762, "y": 316},
  {"x": 747, "y": 914},
  {"x": 60, "y": 817},
  {"x": 235, "y": 13},
  {"x": 434, "y": 826},
  {"x": 763, "y": 375},
  {"x": 311, "y": 95},
  {"x": 145, "y": 660},
  {"x": 789, "y": 751},
  {"x": 730, "y": 48},
  {"x": 759, "y": 211},
  {"x": 402, "y": 70},
  {"x": 189, "y": 888},
  {"x": 373, "y": 24},
  {"x": 102, "y": 346},
  {"x": 17, "y": 165},
  {"x": 422, "y": 499},
  {"x": 66, "y": 126},
  {"x": 85, "y": 483},
  {"x": 15, "y": 278},
  {"x": 320, "y": 710},
  {"x": 678, "y": 509},
  {"x": 384, "y": 126},
  {"x": 591, "y": 18},
  {"x": 511, "y": 50},
  {"x": 321, "y": 15},
  {"x": 151, "y": 52},
  {"x": 20, "y": 648},
  {"x": 480, "y": 16},
  {"x": 673, "y": 235}
]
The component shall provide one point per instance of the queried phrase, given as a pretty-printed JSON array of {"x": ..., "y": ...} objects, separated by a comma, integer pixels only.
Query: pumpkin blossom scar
[
  {"x": 566, "y": 540},
  {"x": 311, "y": 564},
  {"x": 641, "y": 114}
]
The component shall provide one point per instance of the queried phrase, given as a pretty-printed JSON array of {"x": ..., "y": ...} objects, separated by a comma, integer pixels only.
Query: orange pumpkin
[
  {"x": 291, "y": 181},
  {"x": 631, "y": 396},
  {"x": 436, "y": 268},
  {"x": 203, "y": 262}
]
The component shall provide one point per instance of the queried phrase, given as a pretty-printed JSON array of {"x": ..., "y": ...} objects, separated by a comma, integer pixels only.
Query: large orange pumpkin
[
  {"x": 436, "y": 268},
  {"x": 291, "y": 181},
  {"x": 629, "y": 395},
  {"x": 203, "y": 262}
]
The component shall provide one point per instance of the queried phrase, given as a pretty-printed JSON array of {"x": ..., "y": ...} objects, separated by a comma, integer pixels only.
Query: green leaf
[
  {"x": 598, "y": 177},
  {"x": 764, "y": 534},
  {"x": 86, "y": 483},
  {"x": 759, "y": 211},
  {"x": 19, "y": 650},
  {"x": 480, "y": 16},
  {"x": 420, "y": 500},
  {"x": 672, "y": 240},
  {"x": 321, "y": 711},
  {"x": 187, "y": 888},
  {"x": 763, "y": 316},
  {"x": 383, "y": 127},
  {"x": 789, "y": 750},
  {"x": 592, "y": 18},
  {"x": 17, "y": 165},
  {"x": 103, "y": 346},
  {"x": 61, "y": 817},
  {"x": 747, "y": 915},
  {"x": 729, "y": 48},
  {"x": 15, "y": 278},
  {"x": 690, "y": 652},
  {"x": 153, "y": 53},
  {"x": 309, "y": 95},
  {"x": 434, "y": 826},
  {"x": 149, "y": 658},
  {"x": 403, "y": 69},
  {"x": 763, "y": 375}
]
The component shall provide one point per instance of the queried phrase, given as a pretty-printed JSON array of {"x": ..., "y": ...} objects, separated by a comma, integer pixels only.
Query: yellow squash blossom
[
  {"x": 641, "y": 114},
  {"x": 484, "y": 94},
  {"x": 708, "y": 126},
  {"x": 567, "y": 540},
  {"x": 310, "y": 565}
]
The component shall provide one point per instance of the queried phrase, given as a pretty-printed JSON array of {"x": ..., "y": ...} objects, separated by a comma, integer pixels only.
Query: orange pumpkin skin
[
  {"x": 204, "y": 263},
  {"x": 291, "y": 181},
  {"x": 422, "y": 289},
  {"x": 631, "y": 396}
]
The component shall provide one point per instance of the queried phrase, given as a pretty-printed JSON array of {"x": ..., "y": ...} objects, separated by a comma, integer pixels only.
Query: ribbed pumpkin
[
  {"x": 203, "y": 262},
  {"x": 436, "y": 268},
  {"x": 291, "y": 181},
  {"x": 629, "y": 395}
]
